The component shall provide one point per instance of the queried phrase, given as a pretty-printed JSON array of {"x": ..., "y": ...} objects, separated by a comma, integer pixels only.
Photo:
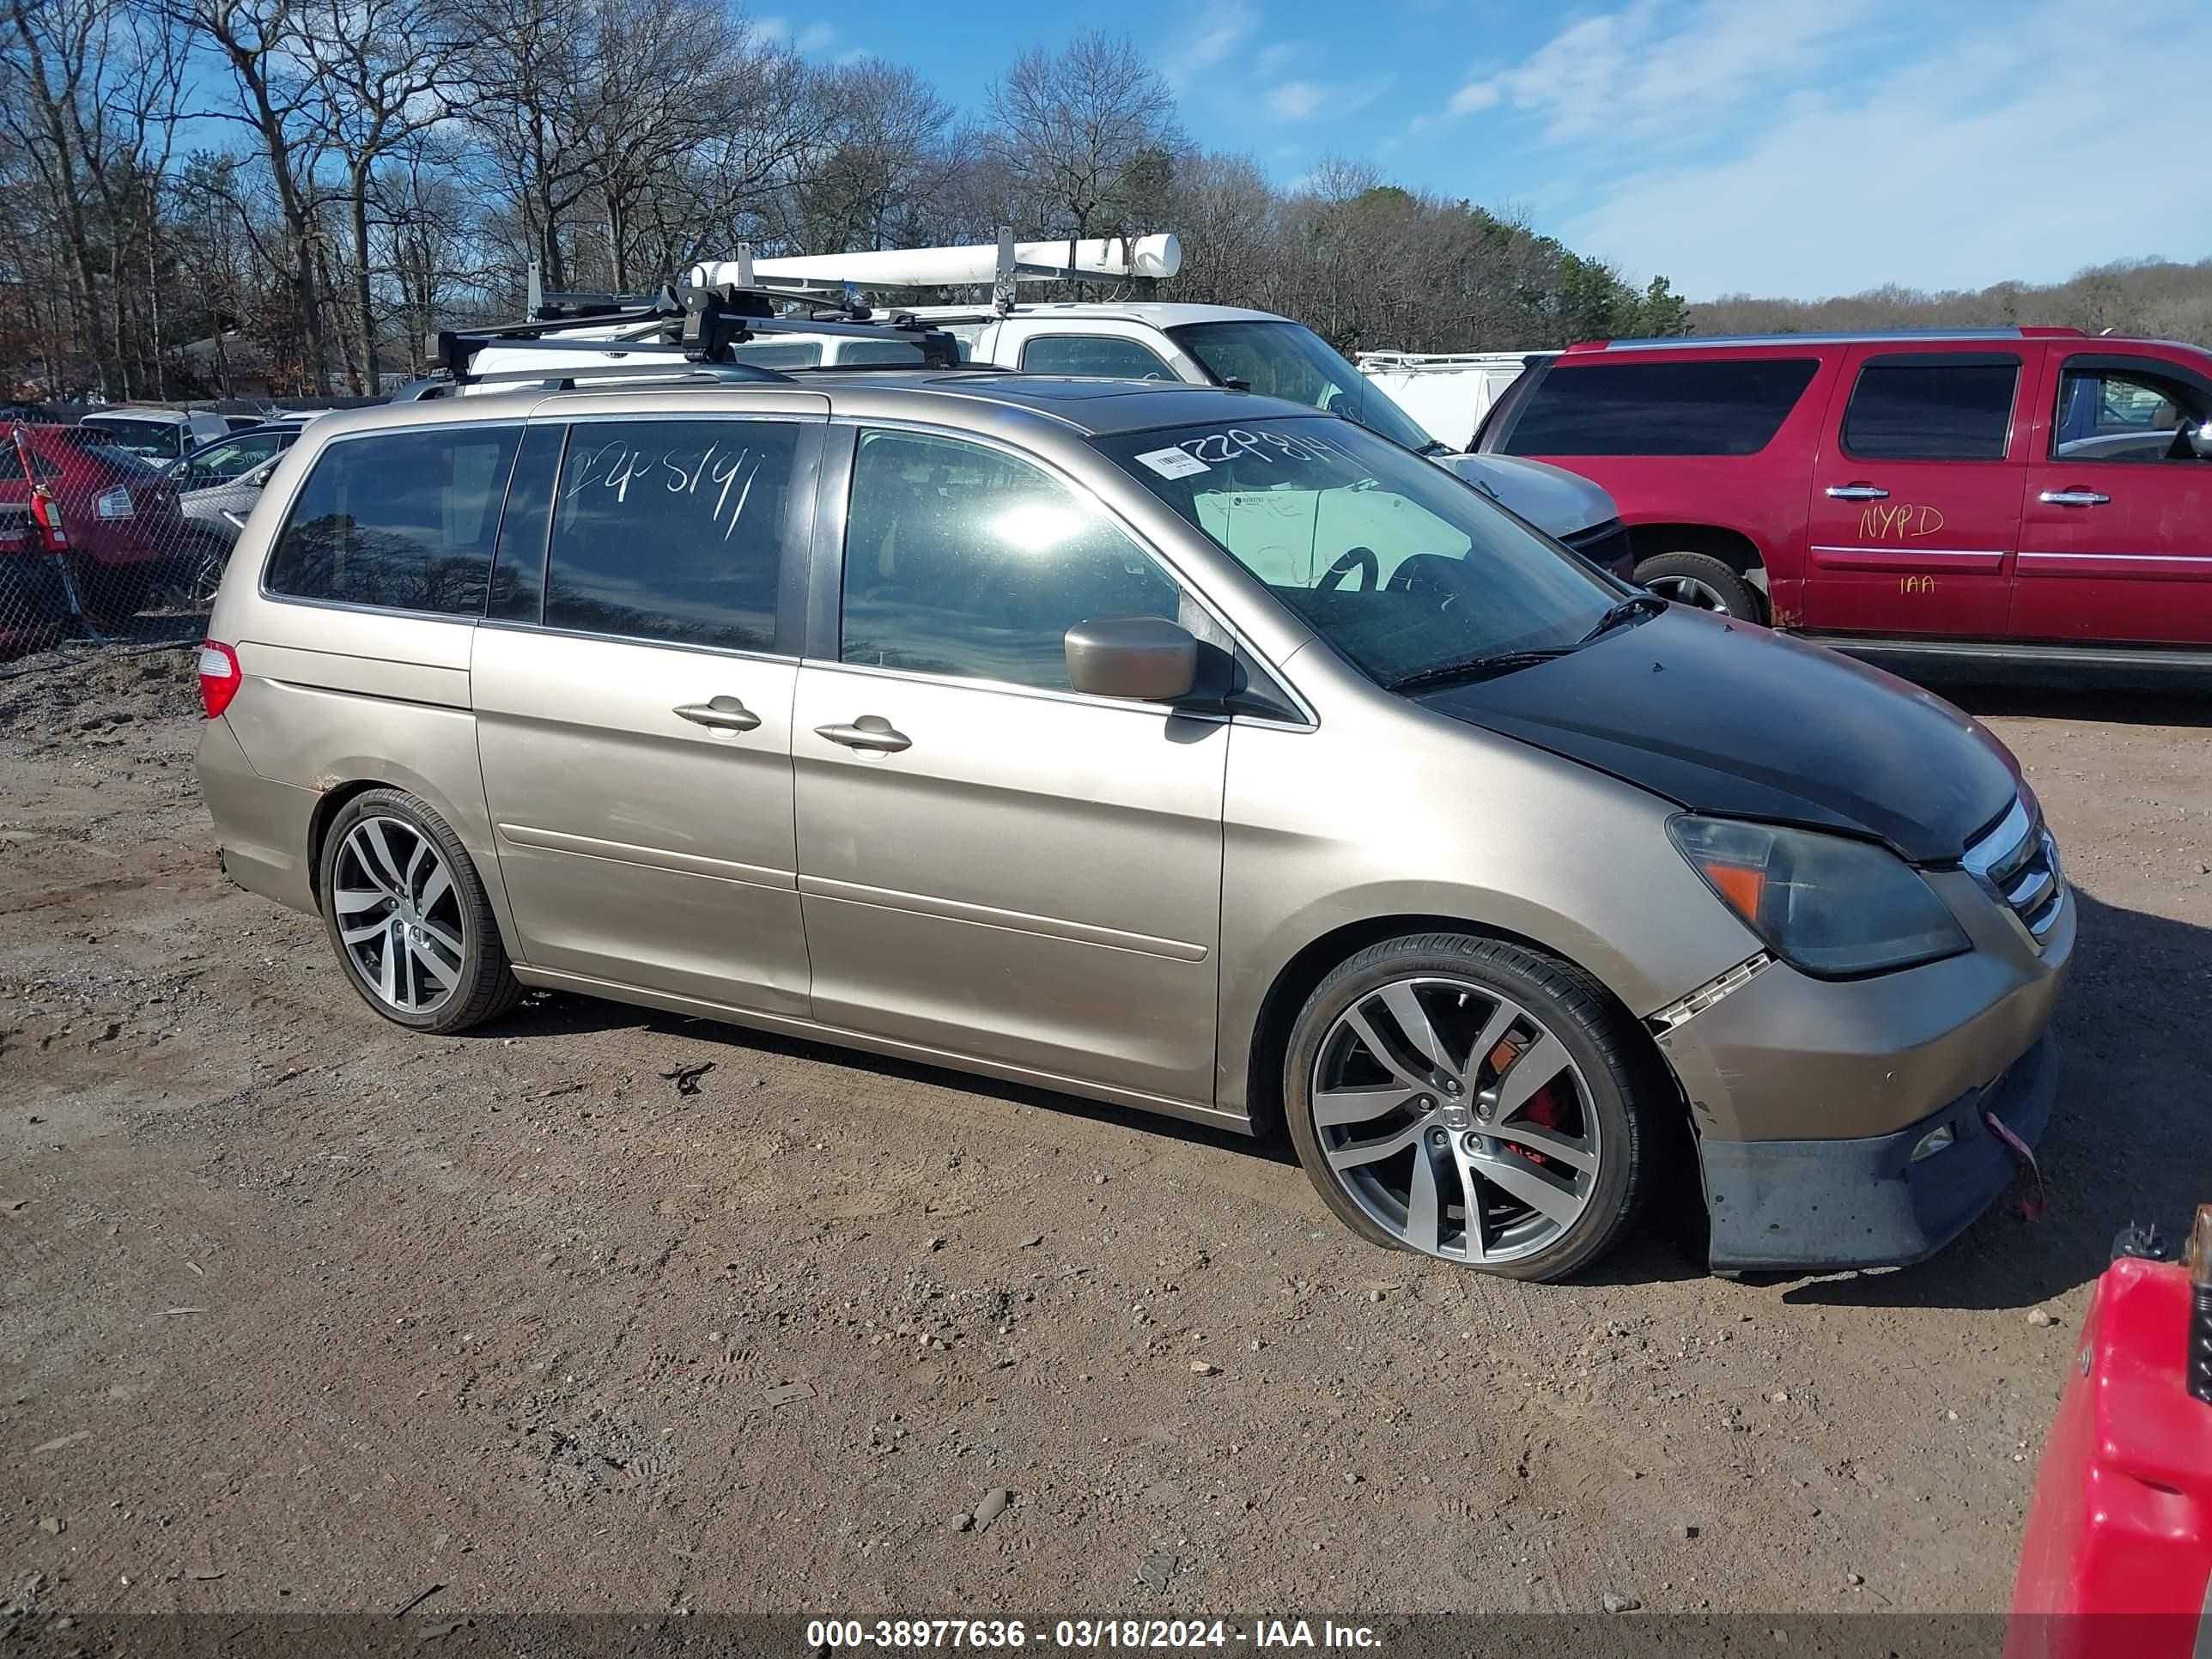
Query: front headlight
[{"x": 1825, "y": 904}]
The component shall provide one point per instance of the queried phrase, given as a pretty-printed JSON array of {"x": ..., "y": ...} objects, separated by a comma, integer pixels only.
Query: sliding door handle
[
  {"x": 872, "y": 733},
  {"x": 719, "y": 714}
]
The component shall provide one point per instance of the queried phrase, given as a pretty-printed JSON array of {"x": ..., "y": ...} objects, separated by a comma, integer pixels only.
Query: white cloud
[
  {"x": 1475, "y": 95},
  {"x": 1301, "y": 101},
  {"x": 1212, "y": 40},
  {"x": 1646, "y": 70},
  {"x": 777, "y": 31},
  {"x": 1963, "y": 159}
]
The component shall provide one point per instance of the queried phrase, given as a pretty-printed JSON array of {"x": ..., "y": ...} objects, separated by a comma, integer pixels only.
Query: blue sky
[{"x": 1790, "y": 147}]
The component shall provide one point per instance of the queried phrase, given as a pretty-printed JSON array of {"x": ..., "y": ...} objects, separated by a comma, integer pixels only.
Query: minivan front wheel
[
  {"x": 1472, "y": 1100},
  {"x": 409, "y": 916}
]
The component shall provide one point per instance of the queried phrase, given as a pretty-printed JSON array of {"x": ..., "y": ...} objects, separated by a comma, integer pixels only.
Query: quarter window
[
  {"x": 1092, "y": 355},
  {"x": 673, "y": 531},
  {"x": 961, "y": 561},
  {"x": 403, "y": 520},
  {"x": 1956, "y": 411}
]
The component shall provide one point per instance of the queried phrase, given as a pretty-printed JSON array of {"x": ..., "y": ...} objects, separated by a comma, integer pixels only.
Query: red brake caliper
[{"x": 1541, "y": 1109}]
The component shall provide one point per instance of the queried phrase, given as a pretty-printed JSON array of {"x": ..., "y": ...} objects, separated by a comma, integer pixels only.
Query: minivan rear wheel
[
  {"x": 1702, "y": 583},
  {"x": 1472, "y": 1100},
  {"x": 408, "y": 915}
]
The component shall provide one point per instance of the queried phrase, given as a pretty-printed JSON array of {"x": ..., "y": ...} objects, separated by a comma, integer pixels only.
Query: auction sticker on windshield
[{"x": 1172, "y": 463}]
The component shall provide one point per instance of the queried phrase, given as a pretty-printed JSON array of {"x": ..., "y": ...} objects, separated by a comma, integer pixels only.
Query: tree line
[
  {"x": 196, "y": 192},
  {"x": 2159, "y": 298}
]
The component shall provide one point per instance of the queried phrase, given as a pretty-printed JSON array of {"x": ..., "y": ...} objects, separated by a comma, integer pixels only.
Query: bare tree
[
  {"x": 1084, "y": 135},
  {"x": 286, "y": 108},
  {"x": 389, "y": 69}
]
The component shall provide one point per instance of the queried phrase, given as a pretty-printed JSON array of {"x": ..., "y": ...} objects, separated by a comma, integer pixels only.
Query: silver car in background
[{"x": 1169, "y": 745}]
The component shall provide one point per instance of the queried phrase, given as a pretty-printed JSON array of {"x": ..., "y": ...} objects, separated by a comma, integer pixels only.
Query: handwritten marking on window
[
  {"x": 1898, "y": 521},
  {"x": 1275, "y": 448},
  {"x": 708, "y": 476}
]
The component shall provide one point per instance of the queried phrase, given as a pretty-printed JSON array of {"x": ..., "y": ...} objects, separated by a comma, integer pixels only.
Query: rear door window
[
  {"x": 1658, "y": 407},
  {"x": 401, "y": 521},
  {"x": 1095, "y": 355},
  {"x": 673, "y": 531},
  {"x": 1946, "y": 408}
]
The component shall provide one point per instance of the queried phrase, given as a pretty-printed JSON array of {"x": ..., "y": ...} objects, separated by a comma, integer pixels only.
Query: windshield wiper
[
  {"x": 1477, "y": 667},
  {"x": 1435, "y": 446},
  {"x": 1636, "y": 605}
]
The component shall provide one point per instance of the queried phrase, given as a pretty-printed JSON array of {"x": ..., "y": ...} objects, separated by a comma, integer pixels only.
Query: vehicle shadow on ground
[
  {"x": 2040, "y": 695},
  {"x": 1668, "y": 1245},
  {"x": 2129, "y": 1136}
]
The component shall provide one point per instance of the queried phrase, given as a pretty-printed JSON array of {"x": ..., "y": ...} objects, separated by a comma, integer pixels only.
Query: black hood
[{"x": 1732, "y": 719}]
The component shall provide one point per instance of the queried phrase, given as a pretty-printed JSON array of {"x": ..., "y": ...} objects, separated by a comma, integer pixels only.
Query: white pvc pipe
[{"x": 939, "y": 267}]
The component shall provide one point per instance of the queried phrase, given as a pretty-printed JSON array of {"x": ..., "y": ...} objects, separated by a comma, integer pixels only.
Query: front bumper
[{"x": 1864, "y": 1202}]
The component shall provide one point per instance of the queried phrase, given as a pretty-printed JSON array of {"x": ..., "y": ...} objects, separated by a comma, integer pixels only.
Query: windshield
[
  {"x": 1290, "y": 361},
  {"x": 161, "y": 441},
  {"x": 1398, "y": 564}
]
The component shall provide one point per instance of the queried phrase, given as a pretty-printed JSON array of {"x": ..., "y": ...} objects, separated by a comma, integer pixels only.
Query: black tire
[
  {"x": 1733, "y": 595},
  {"x": 1622, "y": 1089},
  {"x": 486, "y": 987}
]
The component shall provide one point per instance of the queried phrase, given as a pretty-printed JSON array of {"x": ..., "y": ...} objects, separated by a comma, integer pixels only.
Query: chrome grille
[{"x": 2017, "y": 861}]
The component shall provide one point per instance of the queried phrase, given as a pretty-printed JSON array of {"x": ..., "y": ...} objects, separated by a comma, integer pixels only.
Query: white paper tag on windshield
[{"x": 1173, "y": 463}]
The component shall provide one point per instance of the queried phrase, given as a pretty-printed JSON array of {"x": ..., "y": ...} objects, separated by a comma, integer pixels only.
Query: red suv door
[
  {"x": 1916, "y": 496},
  {"x": 2116, "y": 543}
]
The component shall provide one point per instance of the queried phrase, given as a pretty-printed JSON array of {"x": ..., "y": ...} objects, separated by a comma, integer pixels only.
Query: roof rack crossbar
[{"x": 703, "y": 326}]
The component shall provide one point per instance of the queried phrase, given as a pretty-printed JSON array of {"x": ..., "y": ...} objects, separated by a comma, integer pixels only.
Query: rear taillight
[
  {"x": 46, "y": 513},
  {"x": 219, "y": 676}
]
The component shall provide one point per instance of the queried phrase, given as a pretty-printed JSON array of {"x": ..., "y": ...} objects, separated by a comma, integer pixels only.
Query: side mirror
[
  {"x": 1149, "y": 658},
  {"x": 2200, "y": 440},
  {"x": 258, "y": 477}
]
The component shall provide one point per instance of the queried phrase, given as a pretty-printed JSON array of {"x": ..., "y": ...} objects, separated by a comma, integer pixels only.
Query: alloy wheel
[
  {"x": 1455, "y": 1119},
  {"x": 1689, "y": 590},
  {"x": 398, "y": 914}
]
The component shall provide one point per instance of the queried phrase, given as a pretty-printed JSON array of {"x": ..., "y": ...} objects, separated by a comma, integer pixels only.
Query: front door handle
[
  {"x": 871, "y": 731},
  {"x": 2073, "y": 498},
  {"x": 1858, "y": 492},
  {"x": 721, "y": 714}
]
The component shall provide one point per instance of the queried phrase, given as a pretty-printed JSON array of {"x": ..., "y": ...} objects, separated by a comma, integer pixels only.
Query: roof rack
[
  {"x": 695, "y": 333},
  {"x": 1678, "y": 341}
]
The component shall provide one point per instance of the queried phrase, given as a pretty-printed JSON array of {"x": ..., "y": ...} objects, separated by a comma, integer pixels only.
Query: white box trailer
[{"x": 1448, "y": 393}]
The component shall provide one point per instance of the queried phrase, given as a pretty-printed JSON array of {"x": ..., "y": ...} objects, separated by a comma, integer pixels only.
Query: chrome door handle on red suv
[
  {"x": 1858, "y": 492},
  {"x": 2073, "y": 498}
]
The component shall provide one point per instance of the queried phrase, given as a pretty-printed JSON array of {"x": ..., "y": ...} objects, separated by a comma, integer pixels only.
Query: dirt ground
[{"x": 300, "y": 1311}]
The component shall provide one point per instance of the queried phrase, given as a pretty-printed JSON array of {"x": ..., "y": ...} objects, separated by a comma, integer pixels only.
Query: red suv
[
  {"x": 120, "y": 513},
  {"x": 2017, "y": 492}
]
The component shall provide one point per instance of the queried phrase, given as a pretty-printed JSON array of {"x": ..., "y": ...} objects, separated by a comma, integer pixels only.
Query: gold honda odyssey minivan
[{"x": 1165, "y": 744}]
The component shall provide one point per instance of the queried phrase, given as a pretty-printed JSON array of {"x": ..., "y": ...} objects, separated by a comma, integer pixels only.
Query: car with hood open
[{"x": 1171, "y": 745}]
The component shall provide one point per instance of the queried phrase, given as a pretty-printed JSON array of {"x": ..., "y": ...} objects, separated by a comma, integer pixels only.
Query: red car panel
[
  {"x": 2085, "y": 519},
  {"x": 2119, "y": 1547},
  {"x": 79, "y": 469}
]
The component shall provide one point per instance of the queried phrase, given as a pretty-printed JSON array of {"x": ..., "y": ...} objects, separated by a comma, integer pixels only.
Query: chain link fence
[{"x": 116, "y": 527}]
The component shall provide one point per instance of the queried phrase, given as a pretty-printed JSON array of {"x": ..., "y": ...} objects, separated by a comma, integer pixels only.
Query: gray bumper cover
[{"x": 1864, "y": 1203}]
